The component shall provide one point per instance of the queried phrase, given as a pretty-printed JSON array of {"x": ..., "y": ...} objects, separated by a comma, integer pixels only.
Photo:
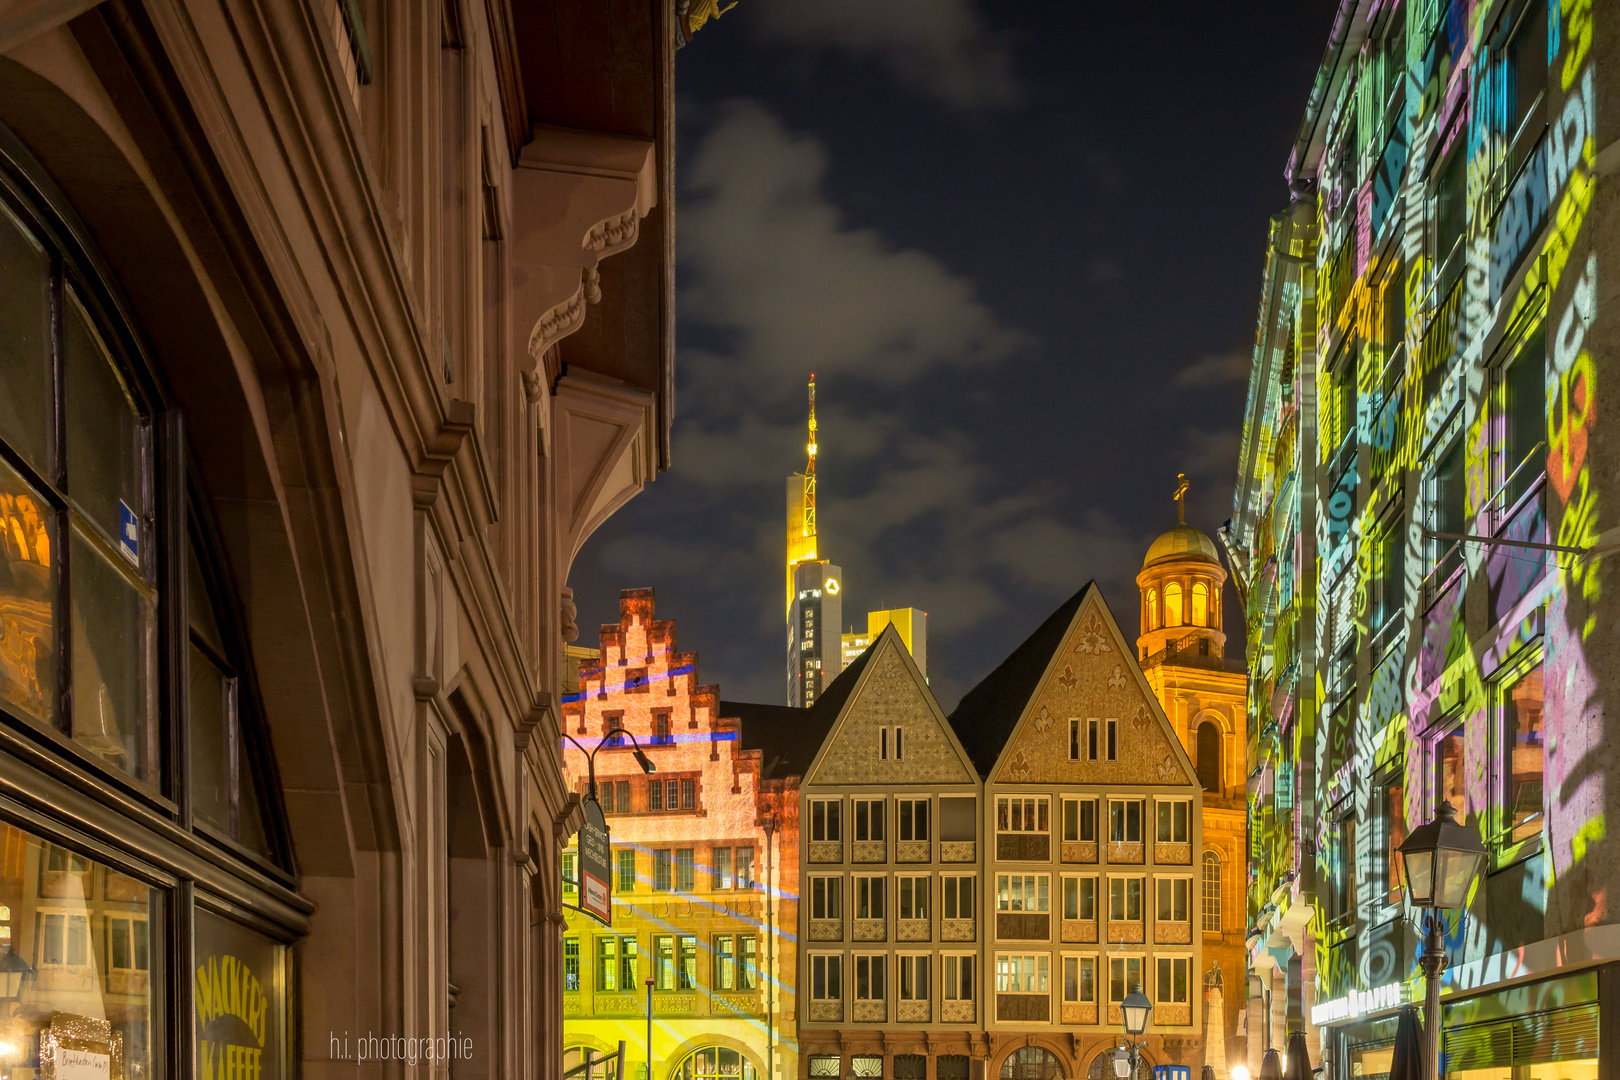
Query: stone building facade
[
  {"x": 1092, "y": 817},
  {"x": 890, "y": 971},
  {"x": 330, "y": 331},
  {"x": 705, "y": 866}
]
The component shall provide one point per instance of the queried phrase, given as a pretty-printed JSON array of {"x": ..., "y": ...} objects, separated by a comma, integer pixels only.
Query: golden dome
[{"x": 1182, "y": 542}]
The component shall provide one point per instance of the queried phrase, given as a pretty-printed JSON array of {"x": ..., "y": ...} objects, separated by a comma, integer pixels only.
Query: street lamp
[
  {"x": 1442, "y": 859},
  {"x": 1135, "y": 1009},
  {"x": 642, "y": 759},
  {"x": 14, "y": 975},
  {"x": 649, "y": 1026}
]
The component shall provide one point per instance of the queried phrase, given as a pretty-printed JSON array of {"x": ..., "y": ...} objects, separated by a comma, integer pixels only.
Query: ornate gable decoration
[
  {"x": 891, "y": 694},
  {"x": 1095, "y": 676}
]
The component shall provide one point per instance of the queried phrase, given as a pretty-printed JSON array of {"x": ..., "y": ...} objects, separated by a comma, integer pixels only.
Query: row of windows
[
  {"x": 615, "y": 963},
  {"x": 913, "y": 819},
  {"x": 914, "y": 976},
  {"x": 1015, "y": 973},
  {"x": 659, "y": 795},
  {"x": 672, "y": 870},
  {"x": 1020, "y": 893},
  {"x": 1029, "y": 814}
]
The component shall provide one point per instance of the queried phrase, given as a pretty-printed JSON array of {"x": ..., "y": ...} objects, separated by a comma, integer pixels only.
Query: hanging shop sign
[
  {"x": 1357, "y": 1002},
  {"x": 595, "y": 869}
]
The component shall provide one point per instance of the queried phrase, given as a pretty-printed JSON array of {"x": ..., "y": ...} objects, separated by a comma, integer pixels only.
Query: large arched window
[
  {"x": 1200, "y": 604},
  {"x": 1212, "y": 891},
  {"x": 1172, "y": 604},
  {"x": 1153, "y": 609},
  {"x": 1031, "y": 1063},
  {"x": 1209, "y": 756},
  {"x": 716, "y": 1063}
]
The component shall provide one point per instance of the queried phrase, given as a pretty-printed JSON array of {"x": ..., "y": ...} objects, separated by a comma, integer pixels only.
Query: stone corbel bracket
[
  {"x": 577, "y": 198},
  {"x": 605, "y": 453}
]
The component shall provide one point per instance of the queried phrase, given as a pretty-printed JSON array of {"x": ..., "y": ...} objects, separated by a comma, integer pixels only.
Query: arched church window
[
  {"x": 1172, "y": 604},
  {"x": 1212, "y": 891},
  {"x": 1209, "y": 756},
  {"x": 1153, "y": 609},
  {"x": 1200, "y": 604}
]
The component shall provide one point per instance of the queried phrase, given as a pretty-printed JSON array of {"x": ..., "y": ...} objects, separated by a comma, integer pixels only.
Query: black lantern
[
  {"x": 1442, "y": 860},
  {"x": 1136, "y": 1007},
  {"x": 14, "y": 975}
]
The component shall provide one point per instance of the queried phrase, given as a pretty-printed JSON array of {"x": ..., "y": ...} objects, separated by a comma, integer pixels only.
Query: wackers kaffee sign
[{"x": 231, "y": 1016}]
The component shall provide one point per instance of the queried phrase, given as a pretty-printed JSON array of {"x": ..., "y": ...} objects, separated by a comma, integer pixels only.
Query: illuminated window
[
  {"x": 1522, "y": 756},
  {"x": 1172, "y": 604},
  {"x": 570, "y": 963},
  {"x": 721, "y": 860},
  {"x": 748, "y": 957},
  {"x": 686, "y": 962},
  {"x": 605, "y": 798},
  {"x": 65, "y": 940},
  {"x": 664, "y": 962},
  {"x": 607, "y": 963},
  {"x": 1390, "y": 792},
  {"x": 685, "y": 870},
  {"x": 627, "y": 871},
  {"x": 662, "y": 877},
  {"x": 1023, "y": 974},
  {"x": 1023, "y": 892},
  {"x": 725, "y": 962},
  {"x": 1022, "y": 814},
  {"x": 655, "y": 795},
  {"x": 745, "y": 868},
  {"x": 628, "y": 964},
  {"x": 1212, "y": 892},
  {"x": 570, "y": 877},
  {"x": 1153, "y": 609},
  {"x": 1200, "y": 604}
]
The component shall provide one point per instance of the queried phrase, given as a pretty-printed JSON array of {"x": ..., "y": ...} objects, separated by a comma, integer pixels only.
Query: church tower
[{"x": 1182, "y": 647}]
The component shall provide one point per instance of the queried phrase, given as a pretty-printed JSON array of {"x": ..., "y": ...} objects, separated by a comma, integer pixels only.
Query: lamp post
[
  {"x": 1135, "y": 1009},
  {"x": 14, "y": 975},
  {"x": 649, "y": 1027},
  {"x": 642, "y": 759},
  {"x": 1442, "y": 859}
]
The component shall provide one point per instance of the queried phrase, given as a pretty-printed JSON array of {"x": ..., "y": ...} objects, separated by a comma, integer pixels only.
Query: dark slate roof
[
  {"x": 790, "y": 738},
  {"x": 985, "y": 717}
]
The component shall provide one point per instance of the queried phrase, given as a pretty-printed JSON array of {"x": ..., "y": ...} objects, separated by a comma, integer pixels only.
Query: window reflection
[
  {"x": 27, "y": 629},
  {"x": 84, "y": 931},
  {"x": 1526, "y": 751}
]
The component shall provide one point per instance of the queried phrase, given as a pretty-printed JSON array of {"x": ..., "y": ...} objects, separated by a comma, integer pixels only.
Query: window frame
[
  {"x": 1125, "y": 881},
  {"x": 906, "y": 819},
  {"x": 1211, "y": 901},
  {"x": 827, "y": 820},
  {"x": 920, "y": 886},
  {"x": 874, "y": 887},
  {"x": 1124, "y": 837},
  {"x": 832, "y": 971},
  {"x": 1183, "y": 959},
  {"x": 952, "y": 977},
  {"x": 1160, "y": 803},
  {"x": 951, "y": 889},
  {"x": 1160, "y": 881},
  {"x": 1505, "y": 845},
  {"x": 912, "y": 960},
  {"x": 876, "y": 964},
  {"x": 1080, "y": 802},
  {"x": 1081, "y": 961},
  {"x": 1041, "y": 806},
  {"x": 1125, "y": 960},
  {"x": 827, "y": 893},
  {"x": 1017, "y": 971},
  {"x": 1038, "y": 881},
  {"x": 1080, "y": 898},
  {"x": 868, "y": 815}
]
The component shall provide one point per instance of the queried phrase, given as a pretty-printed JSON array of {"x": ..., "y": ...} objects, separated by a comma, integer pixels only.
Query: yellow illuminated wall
[{"x": 910, "y": 623}]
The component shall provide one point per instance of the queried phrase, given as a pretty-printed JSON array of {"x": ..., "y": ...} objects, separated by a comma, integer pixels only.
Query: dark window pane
[
  {"x": 105, "y": 437},
  {"x": 25, "y": 344},
  {"x": 203, "y": 622},
  {"x": 112, "y": 651},
  {"x": 1527, "y": 419},
  {"x": 27, "y": 628},
  {"x": 209, "y": 728}
]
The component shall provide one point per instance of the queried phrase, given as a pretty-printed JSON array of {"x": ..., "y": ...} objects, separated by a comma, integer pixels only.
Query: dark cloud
[
  {"x": 1216, "y": 369},
  {"x": 942, "y": 48}
]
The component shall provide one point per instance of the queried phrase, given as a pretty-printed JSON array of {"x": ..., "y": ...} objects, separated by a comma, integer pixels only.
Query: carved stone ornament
[
  {"x": 570, "y": 616},
  {"x": 73, "y": 1046}
]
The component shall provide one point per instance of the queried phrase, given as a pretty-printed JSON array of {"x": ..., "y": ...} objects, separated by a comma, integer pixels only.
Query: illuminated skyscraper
[
  {"x": 909, "y": 623},
  {"x": 814, "y": 608}
]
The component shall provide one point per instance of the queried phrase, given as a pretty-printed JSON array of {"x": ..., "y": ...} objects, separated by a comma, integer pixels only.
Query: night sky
[{"x": 1020, "y": 245}]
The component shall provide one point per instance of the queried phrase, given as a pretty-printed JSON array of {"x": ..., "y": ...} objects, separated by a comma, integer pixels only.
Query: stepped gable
[{"x": 892, "y": 693}]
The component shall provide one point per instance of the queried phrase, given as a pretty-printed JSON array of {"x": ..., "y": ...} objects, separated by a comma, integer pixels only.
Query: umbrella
[
  {"x": 1406, "y": 1063},
  {"x": 1271, "y": 1066},
  {"x": 1299, "y": 1058}
]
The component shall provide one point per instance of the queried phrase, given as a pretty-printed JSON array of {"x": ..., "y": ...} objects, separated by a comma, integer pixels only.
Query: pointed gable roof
[
  {"x": 890, "y": 693},
  {"x": 1077, "y": 667},
  {"x": 789, "y": 737},
  {"x": 987, "y": 714}
]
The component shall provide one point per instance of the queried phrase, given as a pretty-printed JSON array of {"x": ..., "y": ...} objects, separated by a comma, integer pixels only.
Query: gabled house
[
  {"x": 891, "y": 943},
  {"x": 1091, "y": 817}
]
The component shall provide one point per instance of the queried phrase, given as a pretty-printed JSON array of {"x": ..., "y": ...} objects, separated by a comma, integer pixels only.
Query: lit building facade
[
  {"x": 909, "y": 623},
  {"x": 1182, "y": 650},
  {"x": 701, "y": 849},
  {"x": 1432, "y": 338},
  {"x": 329, "y": 332},
  {"x": 1092, "y": 815},
  {"x": 890, "y": 972},
  {"x": 814, "y": 650}
]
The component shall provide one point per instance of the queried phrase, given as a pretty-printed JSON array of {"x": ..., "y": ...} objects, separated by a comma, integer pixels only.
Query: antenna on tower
[{"x": 810, "y": 466}]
